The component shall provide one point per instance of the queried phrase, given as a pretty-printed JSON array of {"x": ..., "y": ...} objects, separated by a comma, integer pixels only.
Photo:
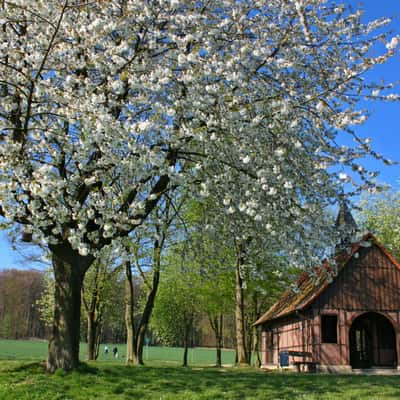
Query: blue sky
[{"x": 382, "y": 126}]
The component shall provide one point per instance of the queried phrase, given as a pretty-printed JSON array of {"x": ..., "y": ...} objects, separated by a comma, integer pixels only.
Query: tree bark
[
  {"x": 69, "y": 271},
  {"x": 242, "y": 354},
  {"x": 256, "y": 353},
  {"x": 143, "y": 324},
  {"x": 131, "y": 357},
  {"x": 136, "y": 337},
  {"x": 92, "y": 336},
  {"x": 186, "y": 343},
  {"x": 93, "y": 310},
  {"x": 216, "y": 323},
  {"x": 148, "y": 309},
  {"x": 220, "y": 340},
  {"x": 255, "y": 335}
]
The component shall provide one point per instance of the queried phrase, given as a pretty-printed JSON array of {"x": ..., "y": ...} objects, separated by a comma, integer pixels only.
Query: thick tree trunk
[
  {"x": 69, "y": 270},
  {"x": 131, "y": 357},
  {"x": 242, "y": 354}
]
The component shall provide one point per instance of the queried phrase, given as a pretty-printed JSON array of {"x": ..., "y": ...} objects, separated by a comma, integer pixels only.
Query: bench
[
  {"x": 304, "y": 365},
  {"x": 299, "y": 353}
]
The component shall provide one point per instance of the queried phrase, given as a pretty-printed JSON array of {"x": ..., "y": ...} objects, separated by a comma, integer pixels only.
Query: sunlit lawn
[
  {"x": 28, "y": 381},
  {"x": 37, "y": 350}
]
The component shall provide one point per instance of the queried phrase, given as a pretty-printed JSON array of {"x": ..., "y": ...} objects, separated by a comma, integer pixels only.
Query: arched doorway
[{"x": 372, "y": 342}]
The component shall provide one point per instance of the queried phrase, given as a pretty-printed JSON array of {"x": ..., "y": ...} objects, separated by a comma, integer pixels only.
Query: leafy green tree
[
  {"x": 144, "y": 255},
  {"x": 381, "y": 216},
  {"x": 211, "y": 258},
  {"x": 97, "y": 291},
  {"x": 177, "y": 305},
  {"x": 19, "y": 314},
  {"x": 45, "y": 302},
  {"x": 216, "y": 300}
]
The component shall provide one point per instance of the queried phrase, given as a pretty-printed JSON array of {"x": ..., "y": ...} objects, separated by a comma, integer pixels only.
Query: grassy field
[
  {"x": 24, "y": 378},
  {"x": 37, "y": 350}
]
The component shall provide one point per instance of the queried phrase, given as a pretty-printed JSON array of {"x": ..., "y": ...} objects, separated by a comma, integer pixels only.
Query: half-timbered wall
[
  {"x": 293, "y": 336},
  {"x": 368, "y": 283}
]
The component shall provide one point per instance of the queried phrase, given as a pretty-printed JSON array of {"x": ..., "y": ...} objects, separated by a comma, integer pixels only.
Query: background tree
[
  {"x": 97, "y": 290},
  {"x": 267, "y": 277},
  {"x": 114, "y": 328},
  {"x": 106, "y": 106},
  {"x": 209, "y": 255},
  {"x": 45, "y": 302},
  {"x": 216, "y": 299},
  {"x": 145, "y": 252},
  {"x": 177, "y": 305},
  {"x": 381, "y": 216},
  {"x": 19, "y": 313}
]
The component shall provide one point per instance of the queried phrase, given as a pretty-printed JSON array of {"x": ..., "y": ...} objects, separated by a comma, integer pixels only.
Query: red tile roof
[{"x": 310, "y": 287}]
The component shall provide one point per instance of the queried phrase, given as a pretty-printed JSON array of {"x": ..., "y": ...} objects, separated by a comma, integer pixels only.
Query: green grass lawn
[
  {"x": 104, "y": 381},
  {"x": 22, "y": 377},
  {"x": 37, "y": 350}
]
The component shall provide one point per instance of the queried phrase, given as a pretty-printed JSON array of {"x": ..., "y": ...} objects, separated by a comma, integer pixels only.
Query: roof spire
[{"x": 345, "y": 224}]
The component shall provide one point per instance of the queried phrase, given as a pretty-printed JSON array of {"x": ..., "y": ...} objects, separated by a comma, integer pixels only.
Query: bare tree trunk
[
  {"x": 148, "y": 309},
  {"x": 131, "y": 357},
  {"x": 93, "y": 336},
  {"x": 256, "y": 353},
  {"x": 242, "y": 354},
  {"x": 255, "y": 336},
  {"x": 186, "y": 343},
  {"x": 98, "y": 339},
  {"x": 69, "y": 270},
  {"x": 216, "y": 323},
  {"x": 90, "y": 336},
  {"x": 144, "y": 322},
  {"x": 93, "y": 315}
]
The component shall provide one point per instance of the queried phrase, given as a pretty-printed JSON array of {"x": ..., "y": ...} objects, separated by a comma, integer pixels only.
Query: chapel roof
[{"x": 310, "y": 285}]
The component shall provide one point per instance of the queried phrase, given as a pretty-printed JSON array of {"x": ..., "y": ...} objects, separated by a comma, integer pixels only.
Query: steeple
[{"x": 345, "y": 225}]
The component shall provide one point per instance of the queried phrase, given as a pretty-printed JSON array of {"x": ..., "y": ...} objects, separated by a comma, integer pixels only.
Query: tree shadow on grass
[
  {"x": 33, "y": 367},
  {"x": 239, "y": 384},
  {"x": 117, "y": 382}
]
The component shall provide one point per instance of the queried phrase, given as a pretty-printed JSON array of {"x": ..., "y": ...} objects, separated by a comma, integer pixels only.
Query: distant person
[
  {"x": 106, "y": 350},
  {"x": 115, "y": 352}
]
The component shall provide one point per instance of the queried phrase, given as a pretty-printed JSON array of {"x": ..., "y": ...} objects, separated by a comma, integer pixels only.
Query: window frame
[{"x": 327, "y": 329}]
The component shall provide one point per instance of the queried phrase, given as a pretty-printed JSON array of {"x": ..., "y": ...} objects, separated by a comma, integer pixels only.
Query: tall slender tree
[
  {"x": 177, "y": 305},
  {"x": 144, "y": 263},
  {"x": 97, "y": 290}
]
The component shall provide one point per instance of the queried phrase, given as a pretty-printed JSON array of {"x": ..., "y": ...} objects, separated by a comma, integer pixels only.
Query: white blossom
[
  {"x": 246, "y": 159},
  {"x": 198, "y": 102},
  {"x": 393, "y": 43}
]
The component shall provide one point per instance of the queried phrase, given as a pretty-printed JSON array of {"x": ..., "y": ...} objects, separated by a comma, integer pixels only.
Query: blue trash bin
[{"x": 284, "y": 358}]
